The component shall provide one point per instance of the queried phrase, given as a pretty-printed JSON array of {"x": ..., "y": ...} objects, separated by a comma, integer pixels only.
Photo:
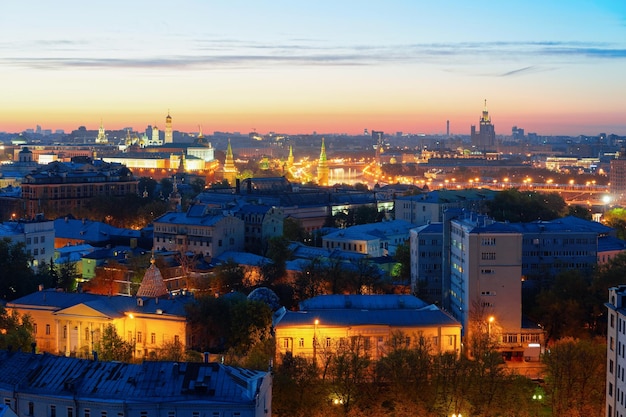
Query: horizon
[{"x": 401, "y": 66}]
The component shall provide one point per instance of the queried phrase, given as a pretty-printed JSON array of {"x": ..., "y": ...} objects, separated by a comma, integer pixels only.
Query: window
[
  {"x": 31, "y": 408},
  {"x": 53, "y": 411},
  {"x": 143, "y": 414},
  {"x": 152, "y": 338},
  {"x": 70, "y": 412},
  {"x": 488, "y": 241},
  {"x": 43, "y": 239},
  {"x": 488, "y": 256},
  {"x": 47, "y": 329},
  {"x": 328, "y": 342},
  {"x": 139, "y": 337},
  {"x": 286, "y": 343},
  {"x": 35, "y": 328},
  {"x": 103, "y": 414},
  {"x": 87, "y": 413},
  {"x": 301, "y": 342},
  {"x": 176, "y": 339}
]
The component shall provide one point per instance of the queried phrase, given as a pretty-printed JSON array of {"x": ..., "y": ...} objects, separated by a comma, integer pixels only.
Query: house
[
  {"x": 202, "y": 230},
  {"x": 327, "y": 323},
  {"x": 372, "y": 239},
  {"x": 37, "y": 236},
  {"x": 48, "y": 385},
  {"x": 72, "y": 324}
]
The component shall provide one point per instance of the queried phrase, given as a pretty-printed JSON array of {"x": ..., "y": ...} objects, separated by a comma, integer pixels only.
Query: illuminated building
[
  {"x": 617, "y": 177},
  {"x": 102, "y": 137},
  {"x": 290, "y": 157},
  {"x": 328, "y": 323},
  {"x": 485, "y": 138},
  {"x": 229, "y": 170},
  {"x": 37, "y": 236},
  {"x": 323, "y": 171},
  {"x": 169, "y": 133},
  {"x": 64, "y": 187}
]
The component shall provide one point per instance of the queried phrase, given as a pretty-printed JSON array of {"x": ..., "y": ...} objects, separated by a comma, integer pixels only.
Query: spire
[
  {"x": 290, "y": 157},
  {"x": 485, "y": 117},
  {"x": 230, "y": 170},
  {"x": 152, "y": 284},
  {"x": 322, "y": 167}
]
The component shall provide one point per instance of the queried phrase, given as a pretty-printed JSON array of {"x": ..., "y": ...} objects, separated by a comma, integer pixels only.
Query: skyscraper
[{"x": 485, "y": 138}]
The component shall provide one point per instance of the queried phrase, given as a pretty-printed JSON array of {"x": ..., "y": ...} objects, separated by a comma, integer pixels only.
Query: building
[
  {"x": 203, "y": 230},
  {"x": 229, "y": 170},
  {"x": 72, "y": 324},
  {"x": 426, "y": 244},
  {"x": 373, "y": 239},
  {"x": 169, "y": 133},
  {"x": 262, "y": 222},
  {"x": 617, "y": 178},
  {"x": 328, "y": 323},
  {"x": 429, "y": 207},
  {"x": 323, "y": 172},
  {"x": 37, "y": 236},
  {"x": 60, "y": 187},
  {"x": 48, "y": 385},
  {"x": 485, "y": 138},
  {"x": 69, "y": 232},
  {"x": 615, "y": 347}
]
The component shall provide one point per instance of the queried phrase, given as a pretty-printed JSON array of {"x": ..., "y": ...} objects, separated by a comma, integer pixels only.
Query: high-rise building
[
  {"x": 615, "y": 345},
  {"x": 617, "y": 178},
  {"x": 323, "y": 172},
  {"x": 102, "y": 137},
  {"x": 169, "y": 134},
  {"x": 485, "y": 138}
]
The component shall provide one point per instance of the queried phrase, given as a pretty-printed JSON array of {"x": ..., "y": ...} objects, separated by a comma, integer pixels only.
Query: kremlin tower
[
  {"x": 322, "y": 167},
  {"x": 229, "y": 170}
]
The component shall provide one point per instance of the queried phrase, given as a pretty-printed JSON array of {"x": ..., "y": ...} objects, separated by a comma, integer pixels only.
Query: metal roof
[{"x": 149, "y": 382}]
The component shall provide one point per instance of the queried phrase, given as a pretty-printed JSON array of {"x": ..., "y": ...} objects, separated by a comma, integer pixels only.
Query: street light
[
  {"x": 315, "y": 323},
  {"x": 489, "y": 321}
]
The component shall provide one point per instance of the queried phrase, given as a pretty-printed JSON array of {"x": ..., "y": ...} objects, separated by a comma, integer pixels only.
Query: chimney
[
  {"x": 237, "y": 186},
  {"x": 206, "y": 356}
]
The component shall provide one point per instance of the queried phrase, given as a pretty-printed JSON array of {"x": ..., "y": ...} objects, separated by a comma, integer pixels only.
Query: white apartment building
[
  {"x": 37, "y": 235},
  {"x": 616, "y": 352}
]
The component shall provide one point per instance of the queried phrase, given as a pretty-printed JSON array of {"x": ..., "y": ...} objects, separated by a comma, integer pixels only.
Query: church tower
[
  {"x": 230, "y": 171},
  {"x": 152, "y": 285},
  {"x": 169, "y": 134},
  {"x": 102, "y": 137},
  {"x": 175, "y": 199},
  {"x": 290, "y": 157},
  {"x": 322, "y": 167}
]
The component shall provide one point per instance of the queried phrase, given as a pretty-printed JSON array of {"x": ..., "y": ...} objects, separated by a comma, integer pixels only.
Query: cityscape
[{"x": 398, "y": 209}]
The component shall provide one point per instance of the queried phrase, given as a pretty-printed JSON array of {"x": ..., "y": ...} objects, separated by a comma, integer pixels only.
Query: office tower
[{"x": 447, "y": 127}]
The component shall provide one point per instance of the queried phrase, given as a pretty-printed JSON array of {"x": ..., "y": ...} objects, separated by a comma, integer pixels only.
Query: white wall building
[
  {"x": 37, "y": 235},
  {"x": 616, "y": 352}
]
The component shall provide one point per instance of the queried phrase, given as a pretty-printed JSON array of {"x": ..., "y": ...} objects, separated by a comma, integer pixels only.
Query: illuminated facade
[
  {"x": 63, "y": 187},
  {"x": 169, "y": 133},
  {"x": 615, "y": 358},
  {"x": 72, "y": 324},
  {"x": 323, "y": 171},
  {"x": 326, "y": 324},
  {"x": 229, "y": 170}
]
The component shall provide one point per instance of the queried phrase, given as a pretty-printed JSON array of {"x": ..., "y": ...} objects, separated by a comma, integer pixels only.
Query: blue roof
[
  {"x": 565, "y": 224},
  {"x": 394, "y": 318},
  {"x": 610, "y": 244},
  {"x": 60, "y": 376},
  {"x": 371, "y": 302},
  {"x": 89, "y": 230}
]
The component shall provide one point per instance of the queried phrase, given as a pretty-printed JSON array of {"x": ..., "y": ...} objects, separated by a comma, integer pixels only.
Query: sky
[{"x": 551, "y": 67}]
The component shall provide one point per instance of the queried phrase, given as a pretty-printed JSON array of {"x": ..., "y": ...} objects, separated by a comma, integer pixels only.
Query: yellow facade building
[{"x": 326, "y": 324}]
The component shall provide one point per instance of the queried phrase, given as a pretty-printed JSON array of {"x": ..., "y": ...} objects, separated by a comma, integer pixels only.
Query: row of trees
[{"x": 411, "y": 381}]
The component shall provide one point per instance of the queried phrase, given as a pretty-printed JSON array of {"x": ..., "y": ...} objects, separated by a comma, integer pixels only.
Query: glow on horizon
[{"x": 330, "y": 68}]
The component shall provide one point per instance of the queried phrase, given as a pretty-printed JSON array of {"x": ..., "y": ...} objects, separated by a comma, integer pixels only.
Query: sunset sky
[{"x": 550, "y": 67}]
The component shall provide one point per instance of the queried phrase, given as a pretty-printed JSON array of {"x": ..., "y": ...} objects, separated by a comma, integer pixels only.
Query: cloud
[{"x": 236, "y": 53}]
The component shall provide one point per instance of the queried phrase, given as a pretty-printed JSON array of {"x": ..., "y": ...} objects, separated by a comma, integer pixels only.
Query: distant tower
[
  {"x": 378, "y": 137},
  {"x": 290, "y": 157},
  {"x": 485, "y": 138},
  {"x": 200, "y": 139},
  {"x": 169, "y": 136},
  {"x": 230, "y": 171},
  {"x": 102, "y": 137},
  {"x": 322, "y": 167},
  {"x": 175, "y": 199},
  {"x": 155, "y": 136},
  {"x": 447, "y": 127}
]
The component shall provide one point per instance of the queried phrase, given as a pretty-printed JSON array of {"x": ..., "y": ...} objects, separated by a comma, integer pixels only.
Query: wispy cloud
[{"x": 235, "y": 53}]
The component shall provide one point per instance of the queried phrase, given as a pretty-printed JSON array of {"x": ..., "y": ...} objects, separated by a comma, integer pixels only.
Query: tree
[
  {"x": 349, "y": 371},
  {"x": 616, "y": 218},
  {"x": 515, "y": 206},
  {"x": 18, "y": 279},
  {"x": 294, "y": 231},
  {"x": 575, "y": 376},
  {"x": 228, "y": 277},
  {"x": 68, "y": 273},
  {"x": 148, "y": 185},
  {"x": 111, "y": 347},
  {"x": 403, "y": 257},
  {"x": 278, "y": 251},
  {"x": 16, "y": 331}
]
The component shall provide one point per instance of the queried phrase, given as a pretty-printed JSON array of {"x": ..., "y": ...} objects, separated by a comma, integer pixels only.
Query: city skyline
[{"x": 548, "y": 67}]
